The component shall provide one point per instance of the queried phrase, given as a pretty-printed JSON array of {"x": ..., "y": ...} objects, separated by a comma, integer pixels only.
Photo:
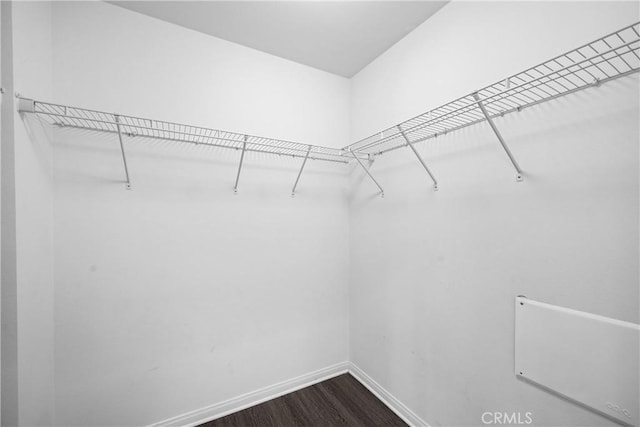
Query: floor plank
[{"x": 339, "y": 401}]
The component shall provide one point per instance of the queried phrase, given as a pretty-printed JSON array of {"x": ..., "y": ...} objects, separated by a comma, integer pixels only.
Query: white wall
[
  {"x": 434, "y": 274},
  {"x": 118, "y": 60},
  {"x": 178, "y": 294},
  {"x": 32, "y": 54}
]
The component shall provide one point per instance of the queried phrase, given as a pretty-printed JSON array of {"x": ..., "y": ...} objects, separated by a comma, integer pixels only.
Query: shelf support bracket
[
  {"x": 367, "y": 171},
  {"x": 304, "y": 162},
  {"x": 499, "y": 136},
  {"x": 124, "y": 157},
  {"x": 420, "y": 159},
  {"x": 244, "y": 149}
]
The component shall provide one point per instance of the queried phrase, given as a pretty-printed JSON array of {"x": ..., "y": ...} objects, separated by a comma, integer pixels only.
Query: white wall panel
[{"x": 586, "y": 357}]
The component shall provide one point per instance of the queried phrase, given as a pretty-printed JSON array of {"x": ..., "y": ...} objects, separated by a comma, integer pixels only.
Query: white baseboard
[
  {"x": 407, "y": 415},
  {"x": 218, "y": 410},
  {"x": 256, "y": 397}
]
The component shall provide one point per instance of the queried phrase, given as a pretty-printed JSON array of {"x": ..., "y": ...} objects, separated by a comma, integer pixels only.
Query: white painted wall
[
  {"x": 32, "y": 56},
  {"x": 178, "y": 294},
  {"x": 434, "y": 274},
  {"x": 118, "y": 60}
]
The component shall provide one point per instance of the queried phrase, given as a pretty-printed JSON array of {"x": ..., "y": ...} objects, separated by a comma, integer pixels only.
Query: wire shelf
[
  {"x": 607, "y": 58},
  {"x": 93, "y": 120}
]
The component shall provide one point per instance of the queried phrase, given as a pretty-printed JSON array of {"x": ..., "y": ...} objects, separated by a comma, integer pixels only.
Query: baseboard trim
[
  {"x": 387, "y": 398},
  {"x": 218, "y": 410},
  {"x": 247, "y": 400}
]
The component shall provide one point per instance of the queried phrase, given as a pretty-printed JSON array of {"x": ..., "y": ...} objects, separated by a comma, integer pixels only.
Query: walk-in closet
[{"x": 320, "y": 213}]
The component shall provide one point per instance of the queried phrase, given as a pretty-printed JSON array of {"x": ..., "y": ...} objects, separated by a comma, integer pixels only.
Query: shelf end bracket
[
  {"x": 420, "y": 159},
  {"x": 26, "y": 105},
  {"x": 519, "y": 176}
]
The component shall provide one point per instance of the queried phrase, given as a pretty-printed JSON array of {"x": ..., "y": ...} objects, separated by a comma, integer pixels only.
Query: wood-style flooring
[{"x": 339, "y": 401}]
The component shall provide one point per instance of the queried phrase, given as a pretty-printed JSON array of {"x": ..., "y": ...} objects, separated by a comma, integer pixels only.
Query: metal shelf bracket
[
  {"x": 26, "y": 105},
  {"x": 124, "y": 157},
  {"x": 367, "y": 171},
  {"x": 420, "y": 159},
  {"x": 304, "y": 162},
  {"x": 499, "y": 136},
  {"x": 244, "y": 149}
]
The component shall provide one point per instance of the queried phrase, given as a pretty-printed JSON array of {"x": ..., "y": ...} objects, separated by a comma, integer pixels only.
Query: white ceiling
[{"x": 340, "y": 37}]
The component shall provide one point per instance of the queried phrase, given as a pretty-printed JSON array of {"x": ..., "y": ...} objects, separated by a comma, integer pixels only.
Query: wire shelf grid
[
  {"x": 609, "y": 57},
  {"x": 82, "y": 118}
]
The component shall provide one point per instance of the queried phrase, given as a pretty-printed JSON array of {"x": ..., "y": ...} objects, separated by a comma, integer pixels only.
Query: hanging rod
[
  {"x": 82, "y": 118},
  {"x": 606, "y": 58}
]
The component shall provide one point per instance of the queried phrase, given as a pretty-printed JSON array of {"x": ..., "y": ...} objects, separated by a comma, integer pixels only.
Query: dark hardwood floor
[{"x": 339, "y": 401}]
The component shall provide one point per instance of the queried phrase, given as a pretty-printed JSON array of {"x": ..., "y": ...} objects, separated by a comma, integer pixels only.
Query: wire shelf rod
[
  {"x": 94, "y": 120},
  {"x": 611, "y": 56},
  {"x": 430, "y": 136},
  {"x": 276, "y": 153},
  {"x": 470, "y": 105},
  {"x": 81, "y": 118},
  {"x": 606, "y": 58}
]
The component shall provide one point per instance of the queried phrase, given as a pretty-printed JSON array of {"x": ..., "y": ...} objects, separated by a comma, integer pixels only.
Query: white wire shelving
[
  {"x": 609, "y": 57},
  {"x": 131, "y": 126},
  {"x": 604, "y": 59}
]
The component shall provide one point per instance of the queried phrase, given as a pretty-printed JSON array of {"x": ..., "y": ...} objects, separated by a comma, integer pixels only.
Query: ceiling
[{"x": 340, "y": 37}]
